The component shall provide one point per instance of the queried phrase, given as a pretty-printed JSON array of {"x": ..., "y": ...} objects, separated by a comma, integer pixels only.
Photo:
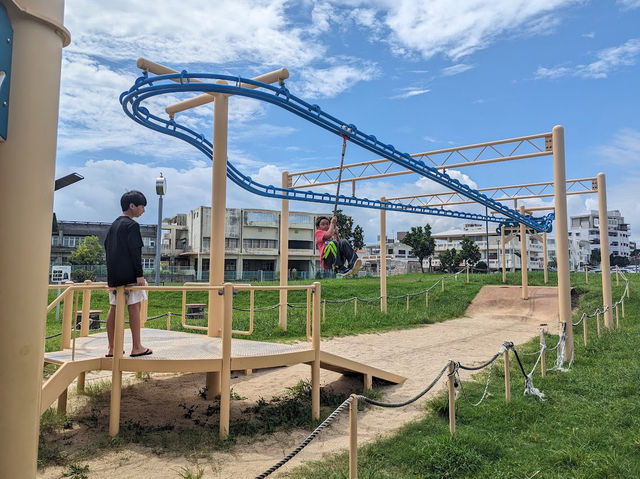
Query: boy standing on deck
[{"x": 123, "y": 248}]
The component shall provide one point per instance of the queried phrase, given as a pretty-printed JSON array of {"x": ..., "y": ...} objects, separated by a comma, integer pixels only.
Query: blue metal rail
[{"x": 146, "y": 87}]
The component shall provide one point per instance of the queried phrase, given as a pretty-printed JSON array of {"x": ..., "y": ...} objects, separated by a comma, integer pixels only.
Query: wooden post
[
  {"x": 524, "y": 267},
  {"x": 86, "y": 307},
  {"x": 116, "y": 373},
  {"x": 383, "y": 260},
  {"x": 584, "y": 329},
  {"x": 169, "y": 321},
  {"x": 543, "y": 357},
  {"x": 617, "y": 275},
  {"x": 545, "y": 258},
  {"x": 324, "y": 310},
  {"x": 598, "y": 324},
  {"x": 503, "y": 255},
  {"x": 617, "y": 318},
  {"x": 426, "y": 299},
  {"x": 62, "y": 402},
  {"x": 562, "y": 234},
  {"x": 284, "y": 253},
  {"x": 353, "y": 438},
  {"x": 586, "y": 274},
  {"x": 407, "y": 303},
  {"x": 442, "y": 285},
  {"x": 225, "y": 373},
  {"x": 67, "y": 317},
  {"x": 507, "y": 378},
  {"x": 315, "y": 341},
  {"x": 605, "y": 263},
  {"x": 622, "y": 306},
  {"x": 355, "y": 306},
  {"x": 468, "y": 273},
  {"x": 452, "y": 401}
]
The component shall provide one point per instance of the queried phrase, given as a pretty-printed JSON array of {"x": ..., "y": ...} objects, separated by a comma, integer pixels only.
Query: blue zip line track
[{"x": 146, "y": 87}]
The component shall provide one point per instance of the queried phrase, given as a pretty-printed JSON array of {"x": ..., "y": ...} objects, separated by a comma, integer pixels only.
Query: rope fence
[{"x": 455, "y": 385}]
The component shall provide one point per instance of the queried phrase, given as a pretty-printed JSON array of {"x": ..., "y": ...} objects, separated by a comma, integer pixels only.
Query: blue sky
[{"x": 419, "y": 75}]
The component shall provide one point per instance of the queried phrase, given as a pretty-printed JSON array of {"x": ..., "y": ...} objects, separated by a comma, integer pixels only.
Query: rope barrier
[{"x": 308, "y": 439}]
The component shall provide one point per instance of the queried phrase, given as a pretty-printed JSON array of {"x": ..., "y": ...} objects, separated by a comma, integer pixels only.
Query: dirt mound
[{"x": 506, "y": 302}]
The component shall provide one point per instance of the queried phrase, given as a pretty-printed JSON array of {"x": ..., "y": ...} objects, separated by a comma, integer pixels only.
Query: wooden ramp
[{"x": 175, "y": 351}]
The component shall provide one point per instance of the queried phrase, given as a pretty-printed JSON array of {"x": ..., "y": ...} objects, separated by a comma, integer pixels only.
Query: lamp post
[{"x": 161, "y": 189}]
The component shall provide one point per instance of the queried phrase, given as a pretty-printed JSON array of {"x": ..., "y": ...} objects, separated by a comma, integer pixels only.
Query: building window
[
  {"x": 147, "y": 263},
  {"x": 259, "y": 243},
  {"x": 229, "y": 264},
  {"x": 299, "y": 219},
  {"x": 299, "y": 244},
  {"x": 254, "y": 217},
  {"x": 148, "y": 242},
  {"x": 390, "y": 251},
  {"x": 70, "y": 241},
  {"x": 231, "y": 243},
  {"x": 401, "y": 251}
]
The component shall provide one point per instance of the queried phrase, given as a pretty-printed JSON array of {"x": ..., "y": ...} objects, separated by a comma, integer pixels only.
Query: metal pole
[
  {"x": 27, "y": 164},
  {"x": 486, "y": 226},
  {"x": 523, "y": 258},
  {"x": 159, "y": 241},
  {"x": 284, "y": 254},
  {"x": 218, "y": 217},
  {"x": 383, "y": 260},
  {"x": 562, "y": 235},
  {"x": 605, "y": 265}
]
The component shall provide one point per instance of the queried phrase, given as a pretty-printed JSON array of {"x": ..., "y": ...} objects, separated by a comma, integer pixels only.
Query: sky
[{"x": 421, "y": 75}]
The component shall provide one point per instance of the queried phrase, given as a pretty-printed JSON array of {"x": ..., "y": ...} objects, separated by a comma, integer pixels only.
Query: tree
[
  {"x": 355, "y": 236},
  {"x": 469, "y": 252},
  {"x": 421, "y": 242},
  {"x": 553, "y": 262},
  {"x": 358, "y": 237},
  {"x": 449, "y": 259},
  {"x": 595, "y": 258},
  {"x": 90, "y": 251}
]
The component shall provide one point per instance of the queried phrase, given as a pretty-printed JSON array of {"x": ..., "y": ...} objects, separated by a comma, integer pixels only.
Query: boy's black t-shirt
[{"x": 123, "y": 248}]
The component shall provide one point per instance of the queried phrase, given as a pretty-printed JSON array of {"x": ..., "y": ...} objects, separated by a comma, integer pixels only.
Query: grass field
[
  {"x": 587, "y": 427},
  {"x": 340, "y": 318}
]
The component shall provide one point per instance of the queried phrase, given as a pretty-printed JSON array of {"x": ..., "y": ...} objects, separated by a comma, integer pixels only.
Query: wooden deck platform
[{"x": 175, "y": 351}]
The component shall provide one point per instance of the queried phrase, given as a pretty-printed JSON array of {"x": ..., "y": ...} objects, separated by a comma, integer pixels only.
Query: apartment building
[
  {"x": 252, "y": 243},
  {"x": 585, "y": 228},
  {"x": 68, "y": 235}
]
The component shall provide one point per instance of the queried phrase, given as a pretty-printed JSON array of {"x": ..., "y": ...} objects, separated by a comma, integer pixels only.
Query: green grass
[
  {"x": 588, "y": 426},
  {"x": 340, "y": 320}
]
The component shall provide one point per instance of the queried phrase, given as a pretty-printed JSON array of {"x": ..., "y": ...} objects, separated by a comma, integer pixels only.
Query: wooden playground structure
[{"x": 175, "y": 351}]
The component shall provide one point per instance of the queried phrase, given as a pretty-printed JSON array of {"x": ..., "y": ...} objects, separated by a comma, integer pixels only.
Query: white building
[
  {"x": 478, "y": 233},
  {"x": 584, "y": 228},
  {"x": 402, "y": 260}
]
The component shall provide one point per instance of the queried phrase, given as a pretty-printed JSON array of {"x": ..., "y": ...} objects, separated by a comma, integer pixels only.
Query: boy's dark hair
[
  {"x": 319, "y": 219},
  {"x": 133, "y": 196}
]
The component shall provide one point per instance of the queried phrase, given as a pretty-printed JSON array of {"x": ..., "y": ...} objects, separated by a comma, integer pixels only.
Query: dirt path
[{"x": 497, "y": 314}]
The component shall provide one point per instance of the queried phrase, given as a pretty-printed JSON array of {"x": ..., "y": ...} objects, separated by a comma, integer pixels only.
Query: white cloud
[
  {"x": 629, "y": 4},
  {"x": 329, "y": 82},
  {"x": 457, "y": 30},
  {"x": 623, "y": 150},
  {"x": 201, "y": 32},
  {"x": 456, "y": 69},
  {"x": 607, "y": 61},
  {"x": 410, "y": 92}
]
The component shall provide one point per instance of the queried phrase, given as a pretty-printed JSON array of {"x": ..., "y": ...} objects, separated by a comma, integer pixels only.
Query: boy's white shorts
[{"x": 132, "y": 297}]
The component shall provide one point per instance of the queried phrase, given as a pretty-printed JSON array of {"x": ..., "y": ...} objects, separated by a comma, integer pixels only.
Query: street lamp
[{"x": 161, "y": 189}]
